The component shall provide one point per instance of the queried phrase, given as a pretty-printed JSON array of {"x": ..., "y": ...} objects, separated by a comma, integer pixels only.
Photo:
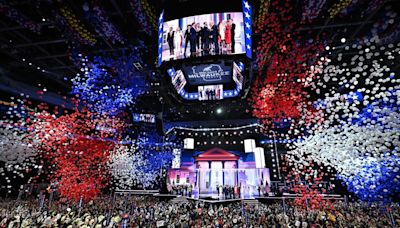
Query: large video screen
[
  {"x": 203, "y": 35},
  {"x": 211, "y": 92},
  {"x": 179, "y": 81}
]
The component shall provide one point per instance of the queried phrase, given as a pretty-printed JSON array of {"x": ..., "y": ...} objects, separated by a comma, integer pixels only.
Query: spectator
[{"x": 151, "y": 212}]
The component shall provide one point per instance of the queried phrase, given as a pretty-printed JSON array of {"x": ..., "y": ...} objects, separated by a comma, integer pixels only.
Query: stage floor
[
  {"x": 245, "y": 194},
  {"x": 216, "y": 196}
]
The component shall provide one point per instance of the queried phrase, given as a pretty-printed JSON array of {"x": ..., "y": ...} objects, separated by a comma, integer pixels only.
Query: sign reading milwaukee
[{"x": 211, "y": 72}]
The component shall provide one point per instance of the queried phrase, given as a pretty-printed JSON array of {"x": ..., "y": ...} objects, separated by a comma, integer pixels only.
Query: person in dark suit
[
  {"x": 198, "y": 34},
  {"x": 187, "y": 38},
  {"x": 212, "y": 94},
  {"x": 233, "y": 35},
  {"x": 214, "y": 37},
  {"x": 205, "y": 44},
  {"x": 193, "y": 38},
  {"x": 170, "y": 40}
]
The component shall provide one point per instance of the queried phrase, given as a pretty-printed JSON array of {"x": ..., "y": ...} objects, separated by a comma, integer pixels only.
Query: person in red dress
[{"x": 228, "y": 36}]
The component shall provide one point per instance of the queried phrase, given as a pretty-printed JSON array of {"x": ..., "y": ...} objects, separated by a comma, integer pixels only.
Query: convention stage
[{"x": 218, "y": 173}]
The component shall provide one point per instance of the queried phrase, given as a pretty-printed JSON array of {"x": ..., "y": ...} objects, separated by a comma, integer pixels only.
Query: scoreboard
[{"x": 206, "y": 52}]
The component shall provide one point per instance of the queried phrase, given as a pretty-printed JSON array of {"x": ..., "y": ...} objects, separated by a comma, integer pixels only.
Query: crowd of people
[
  {"x": 148, "y": 211},
  {"x": 206, "y": 39}
]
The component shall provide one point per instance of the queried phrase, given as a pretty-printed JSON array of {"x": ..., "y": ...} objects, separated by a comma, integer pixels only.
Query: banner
[{"x": 208, "y": 74}]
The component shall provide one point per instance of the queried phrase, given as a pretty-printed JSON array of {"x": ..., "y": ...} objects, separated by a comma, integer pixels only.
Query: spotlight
[
  {"x": 219, "y": 110},
  {"x": 343, "y": 40}
]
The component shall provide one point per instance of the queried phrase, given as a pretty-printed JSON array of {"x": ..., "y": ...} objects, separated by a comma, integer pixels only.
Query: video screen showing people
[
  {"x": 211, "y": 92},
  {"x": 203, "y": 35},
  {"x": 179, "y": 81}
]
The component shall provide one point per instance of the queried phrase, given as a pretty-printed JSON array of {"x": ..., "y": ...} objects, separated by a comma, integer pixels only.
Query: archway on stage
[{"x": 216, "y": 167}]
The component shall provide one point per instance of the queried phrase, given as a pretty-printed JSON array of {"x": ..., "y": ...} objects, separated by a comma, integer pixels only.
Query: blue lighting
[
  {"x": 241, "y": 66},
  {"x": 374, "y": 111},
  {"x": 110, "y": 83},
  {"x": 247, "y": 12},
  {"x": 160, "y": 36},
  {"x": 355, "y": 96},
  {"x": 171, "y": 72},
  {"x": 376, "y": 181}
]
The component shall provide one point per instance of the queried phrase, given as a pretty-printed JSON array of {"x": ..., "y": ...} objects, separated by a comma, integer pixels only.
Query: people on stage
[
  {"x": 233, "y": 27},
  {"x": 198, "y": 36},
  {"x": 170, "y": 40},
  {"x": 214, "y": 38},
  {"x": 187, "y": 39},
  {"x": 228, "y": 191},
  {"x": 178, "y": 38},
  {"x": 221, "y": 31},
  {"x": 205, "y": 37},
  {"x": 193, "y": 39},
  {"x": 181, "y": 190},
  {"x": 228, "y": 38},
  {"x": 202, "y": 39}
]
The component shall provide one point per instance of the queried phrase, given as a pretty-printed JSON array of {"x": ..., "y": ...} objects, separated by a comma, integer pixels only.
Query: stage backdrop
[{"x": 207, "y": 170}]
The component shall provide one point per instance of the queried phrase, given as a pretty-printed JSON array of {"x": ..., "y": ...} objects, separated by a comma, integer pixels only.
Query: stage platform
[
  {"x": 214, "y": 200},
  {"x": 253, "y": 200},
  {"x": 218, "y": 199}
]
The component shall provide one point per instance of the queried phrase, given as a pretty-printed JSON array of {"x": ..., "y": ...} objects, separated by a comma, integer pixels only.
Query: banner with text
[{"x": 204, "y": 74}]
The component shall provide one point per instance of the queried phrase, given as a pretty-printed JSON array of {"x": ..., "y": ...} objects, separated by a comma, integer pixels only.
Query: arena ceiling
[{"x": 43, "y": 60}]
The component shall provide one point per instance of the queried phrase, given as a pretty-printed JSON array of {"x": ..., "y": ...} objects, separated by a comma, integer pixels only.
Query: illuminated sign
[{"x": 208, "y": 73}]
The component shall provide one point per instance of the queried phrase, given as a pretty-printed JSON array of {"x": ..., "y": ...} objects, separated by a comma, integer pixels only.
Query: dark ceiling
[
  {"x": 44, "y": 60},
  {"x": 50, "y": 51}
]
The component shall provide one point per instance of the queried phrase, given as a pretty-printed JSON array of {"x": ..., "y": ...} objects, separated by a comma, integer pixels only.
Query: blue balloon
[
  {"x": 111, "y": 83},
  {"x": 376, "y": 181}
]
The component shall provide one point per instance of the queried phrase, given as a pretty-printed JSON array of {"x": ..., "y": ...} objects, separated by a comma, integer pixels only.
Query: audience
[{"x": 145, "y": 211}]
